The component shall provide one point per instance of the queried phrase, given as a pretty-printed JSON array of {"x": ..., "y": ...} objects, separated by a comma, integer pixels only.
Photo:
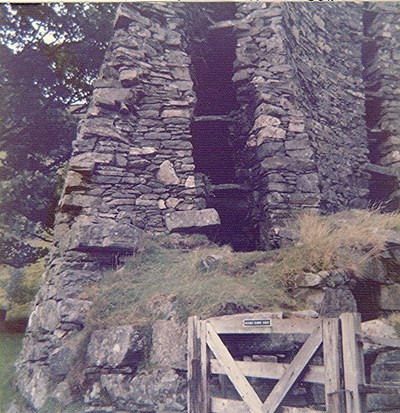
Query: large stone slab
[
  {"x": 104, "y": 236},
  {"x": 178, "y": 221}
]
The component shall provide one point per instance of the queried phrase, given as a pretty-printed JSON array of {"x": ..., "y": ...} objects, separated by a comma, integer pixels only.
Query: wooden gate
[{"x": 342, "y": 373}]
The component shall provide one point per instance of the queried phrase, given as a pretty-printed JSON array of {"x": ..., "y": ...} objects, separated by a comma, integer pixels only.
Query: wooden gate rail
[{"x": 342, "y": 374}]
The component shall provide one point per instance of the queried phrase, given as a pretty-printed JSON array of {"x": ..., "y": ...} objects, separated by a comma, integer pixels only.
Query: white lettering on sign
[{"x": 266, "y": 322}]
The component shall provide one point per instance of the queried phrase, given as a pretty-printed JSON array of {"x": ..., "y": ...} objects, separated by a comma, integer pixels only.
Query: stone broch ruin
[{"x": 221, "y": 119}]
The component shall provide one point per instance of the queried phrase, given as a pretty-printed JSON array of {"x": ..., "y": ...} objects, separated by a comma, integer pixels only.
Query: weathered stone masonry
[
  {"x": 287, "y": 116},
  {"x": 299, "y": 81},
  {"x": 382, "y": 60}
]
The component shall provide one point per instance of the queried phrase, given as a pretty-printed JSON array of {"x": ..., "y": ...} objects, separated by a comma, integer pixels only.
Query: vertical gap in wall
[
  {"x": 381, "y": 185},
  {"x": 213, "y": 55},
  {"x": 366, "y": 294}
]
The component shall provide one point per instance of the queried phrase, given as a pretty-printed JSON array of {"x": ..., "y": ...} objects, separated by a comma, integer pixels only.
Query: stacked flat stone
[
  {"x": 132, "y": 160},
  {"x": 382, "y": 76},
  {"x": 299, "y": 81},
  {"x": 301, "y": 143},
  {"x": 131, "y": 170}
]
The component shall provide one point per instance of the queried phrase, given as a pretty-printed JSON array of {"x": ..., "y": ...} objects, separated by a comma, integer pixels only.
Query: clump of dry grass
[{"x": 346, "y": 239}]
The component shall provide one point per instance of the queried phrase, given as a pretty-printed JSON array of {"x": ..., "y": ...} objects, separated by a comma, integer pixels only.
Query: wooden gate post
[
  {"x": 205, "y": 370},
  {"x": 194, "y": 366},
  {"x": 353, "y": 363},
  {"x": 332, "y": 362}
]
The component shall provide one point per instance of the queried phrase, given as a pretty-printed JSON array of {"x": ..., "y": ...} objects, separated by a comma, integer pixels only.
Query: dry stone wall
[
  {"x": 299, "y": 140},
  {"x": 325, "y": 44},
  {"x": 132, "y": 161},
  {"x": 131, "y": 171},
  {"x": 299, "y": 81},
  {"x": 382, "y": 76}
]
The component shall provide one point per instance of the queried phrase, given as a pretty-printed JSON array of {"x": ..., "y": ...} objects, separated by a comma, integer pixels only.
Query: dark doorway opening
[
  {"x": 381, "y": 186},
  {"x": 211, "y": 151},
  {"x": 366, "y": 294},
  {"x": 213, "y": 54}
]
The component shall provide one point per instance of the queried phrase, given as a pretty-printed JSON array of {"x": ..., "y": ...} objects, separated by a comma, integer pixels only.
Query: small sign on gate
[{"x": 265, "y": 322}]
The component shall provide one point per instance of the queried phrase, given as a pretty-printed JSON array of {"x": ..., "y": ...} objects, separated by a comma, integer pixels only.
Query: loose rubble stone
[
  {"x": 167, "y": 175},
  {"x": 308, "y": 280}
]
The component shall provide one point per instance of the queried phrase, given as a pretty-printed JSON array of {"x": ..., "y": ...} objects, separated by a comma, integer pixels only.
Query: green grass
[
  {"x": 10, "y": 346},
  {"x": 169, "y": 274},
  {"x": 160, "y": 278},
  {"x": 18, "y": 288}
]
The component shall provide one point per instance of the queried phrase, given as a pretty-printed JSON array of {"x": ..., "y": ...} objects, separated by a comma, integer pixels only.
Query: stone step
[
  {"x": 226, "y": 24},
  {"x": 213, "y": 118},
  {"x": 383, "y": 170},
  {"x": 230, "y": 187}
]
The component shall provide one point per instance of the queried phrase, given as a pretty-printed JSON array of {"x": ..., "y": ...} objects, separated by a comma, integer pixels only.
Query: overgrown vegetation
[
  {"x": 49, "y": 56},
  {"x": 206, "y": 279},
  {"x": 10, "y": 346},
  {"x": 347, "y": 239},
  {"x": 18, "y": 287}
]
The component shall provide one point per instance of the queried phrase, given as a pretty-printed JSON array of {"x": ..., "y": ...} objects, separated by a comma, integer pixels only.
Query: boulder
[
  {"x": 166, "y": 174},
  {"x": 184, "y": 220},
  {"x": 308, "y": 280},
  {"x": 116, "y": 347},
  {"x": 379, "y": 328}
]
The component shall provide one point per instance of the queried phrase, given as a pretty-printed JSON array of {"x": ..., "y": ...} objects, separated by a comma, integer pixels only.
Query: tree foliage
[{"x": 49, "y": 56}]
